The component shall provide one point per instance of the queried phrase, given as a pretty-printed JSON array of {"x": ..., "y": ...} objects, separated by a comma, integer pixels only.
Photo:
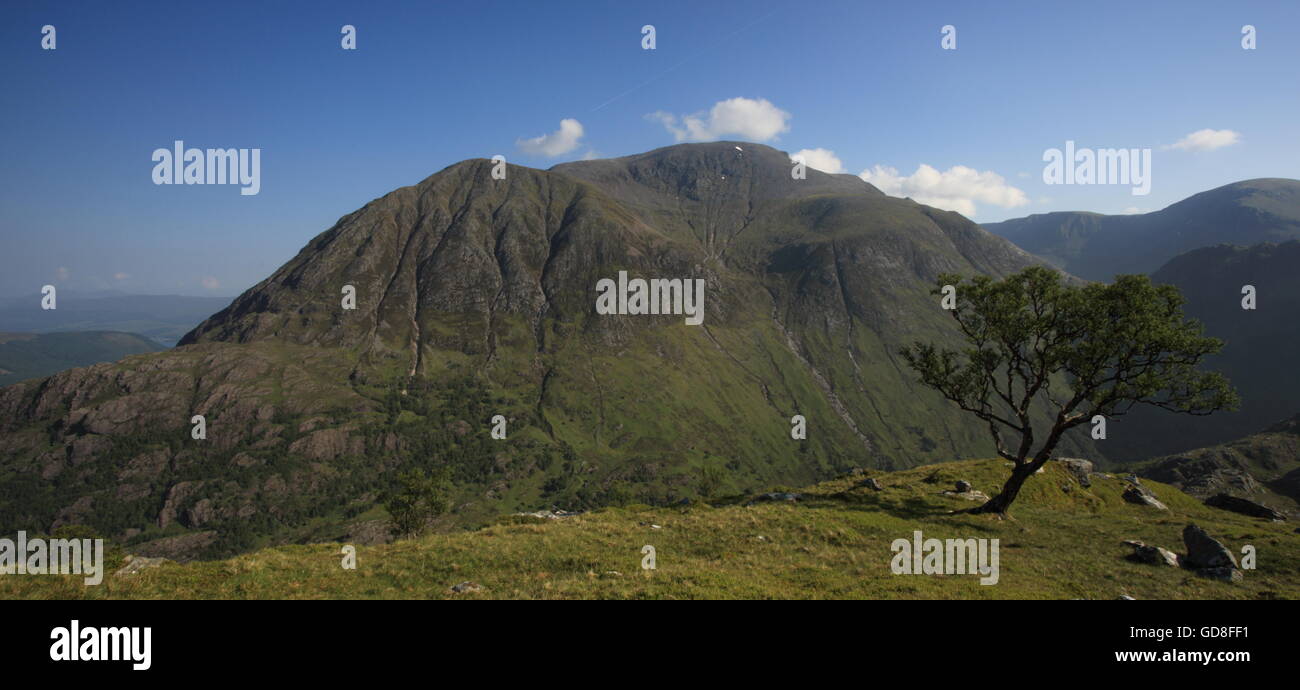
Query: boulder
[
  {"x": 775, "y": 496},
  {"x": 467, "y": 586},
  {"x": 871, "y": 483},
  {"x": 1142, "y": 496},
  {"x": 962, "y": 486},
  {"x": 1243, "y": 506},
  {"x": 1152, "y": 555},
  {"x": 1204, "y": 551},
  {"x": 1225, "y": 574},
  {"x": 135, "y": 564},
  {"x": 1078, "y": 467}
]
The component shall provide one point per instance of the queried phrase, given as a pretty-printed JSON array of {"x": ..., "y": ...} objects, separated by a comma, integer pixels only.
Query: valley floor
[{"x": 1062, "y": 541}]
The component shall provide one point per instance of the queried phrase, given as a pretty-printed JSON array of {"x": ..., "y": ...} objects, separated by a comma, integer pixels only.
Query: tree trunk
[{"x": 1002, "y": 501}]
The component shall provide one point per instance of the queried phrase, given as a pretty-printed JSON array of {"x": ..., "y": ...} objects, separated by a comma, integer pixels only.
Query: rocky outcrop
[
  {"x": 1141, "y": 495},
  {"x": 1208, "y": 557},
  {"x": 1244, "y": 506},
  {"x": 1079, "y": 468},
  {"x": 1152, "y": 555}
]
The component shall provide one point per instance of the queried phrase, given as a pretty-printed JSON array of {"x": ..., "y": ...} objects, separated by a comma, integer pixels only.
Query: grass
[{"x": 1057, "y": 544}]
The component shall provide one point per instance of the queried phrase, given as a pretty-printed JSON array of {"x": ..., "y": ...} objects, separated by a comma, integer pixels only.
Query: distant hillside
[
  {"x": 1262, "y": 467},
  {"x": 1261, "y": 353},
  {"x": 29, "y": 355},
  {"x": 164, "y": 318},
  {"x": 1097, "y": 246}
]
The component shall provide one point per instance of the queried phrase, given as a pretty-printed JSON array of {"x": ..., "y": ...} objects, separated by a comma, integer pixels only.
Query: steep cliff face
[{"x": 475, "y": 297}]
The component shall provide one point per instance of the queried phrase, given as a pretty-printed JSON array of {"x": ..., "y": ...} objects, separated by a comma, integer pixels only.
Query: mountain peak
[{"x": 709, "y": 170}]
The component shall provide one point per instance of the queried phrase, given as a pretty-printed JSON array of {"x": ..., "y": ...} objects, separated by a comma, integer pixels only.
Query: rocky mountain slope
[
  {"x": 475, "y": 298},
  {"x": 1263, "y": 467},
  {"x": 1097, "y": 246}
]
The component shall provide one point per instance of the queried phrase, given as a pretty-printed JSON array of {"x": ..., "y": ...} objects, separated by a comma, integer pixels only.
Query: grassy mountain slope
[
  {"x": 1098, "y": 247},
  {"x": 834, "y": 544},
  {"x": 28, "y": 355},
  {"x": 475, "y": 297}
]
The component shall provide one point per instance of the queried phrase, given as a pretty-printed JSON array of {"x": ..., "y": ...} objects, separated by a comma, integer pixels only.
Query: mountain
[
  {"x": 1259, "y": 355},
  {"x": 164, "y": 318},
  {"x": 28, "y": 355},
  {"x": 1263, "y": 467},
  {"x": 475, "y": 297},
  {"x": 1098, "y": 247}
]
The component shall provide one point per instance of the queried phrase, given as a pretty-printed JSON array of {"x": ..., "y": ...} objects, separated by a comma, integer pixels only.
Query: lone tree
[
  {"x": 417, "y": 499},
  {"x": 1079, "y": 351}
]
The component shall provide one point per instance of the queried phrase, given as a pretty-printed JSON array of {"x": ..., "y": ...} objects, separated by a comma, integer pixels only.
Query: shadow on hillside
[{"x": 905, "y": 508}]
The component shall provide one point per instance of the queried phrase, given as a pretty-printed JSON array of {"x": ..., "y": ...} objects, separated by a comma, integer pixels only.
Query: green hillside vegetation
[
  {"x": 1063, "y": 541},
  {"x": 29, "y": 355},
  {"x": 475, "y": 297}
]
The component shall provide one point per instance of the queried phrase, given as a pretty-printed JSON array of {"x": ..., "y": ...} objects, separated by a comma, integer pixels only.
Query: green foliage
[
  {"x": 416, "y": 500},
  {"x": 836, "y": 543},
  {"x": 1093, "y": 350},
  {"x": 712, "y": 477}
]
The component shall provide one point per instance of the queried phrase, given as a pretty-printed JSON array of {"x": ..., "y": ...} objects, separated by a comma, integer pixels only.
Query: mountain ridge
[
  {"x": 1098, "y": 246},
  {"x": 475, "y": 299}
]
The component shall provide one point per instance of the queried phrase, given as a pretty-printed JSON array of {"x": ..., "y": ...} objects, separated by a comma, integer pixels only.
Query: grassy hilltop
[{"x": 835, "y": 543}]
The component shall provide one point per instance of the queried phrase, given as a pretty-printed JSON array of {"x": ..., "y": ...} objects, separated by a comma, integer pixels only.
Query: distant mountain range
[
  {"x": 29, "y": 355},
  {"x": 1261, "y": 353},
  {"x": 1098, "y": 247},
  {"x": 163, "y": 318}
]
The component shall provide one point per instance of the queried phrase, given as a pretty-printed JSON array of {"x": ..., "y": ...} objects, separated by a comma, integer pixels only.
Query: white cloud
[
  {"x": 956, "y": 189},
  {"x": 1207, "y": 140},
  {"x": 824, "y": 160},
  {"x": 210, "y": 283},
  {"x": 745, "y": 118},
  {"x": 557, "y": 143},
  {"x": 121, "y": 276}
]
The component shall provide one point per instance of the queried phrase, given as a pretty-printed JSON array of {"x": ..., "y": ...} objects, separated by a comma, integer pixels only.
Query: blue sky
[{"x": 432, "y": 83}]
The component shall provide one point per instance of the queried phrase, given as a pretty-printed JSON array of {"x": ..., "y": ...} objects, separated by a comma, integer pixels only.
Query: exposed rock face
[
  {"x": 479, "y": 293},
  {"x": 1263, "y": 468},
  {"x": 1204, "y": 551},
  {"x": 1079, "y": 468},
  {"x": 1244, "y": 506},
  {"x": 1142, "y": 496},
  {"x": 1153, "y": 555}
]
